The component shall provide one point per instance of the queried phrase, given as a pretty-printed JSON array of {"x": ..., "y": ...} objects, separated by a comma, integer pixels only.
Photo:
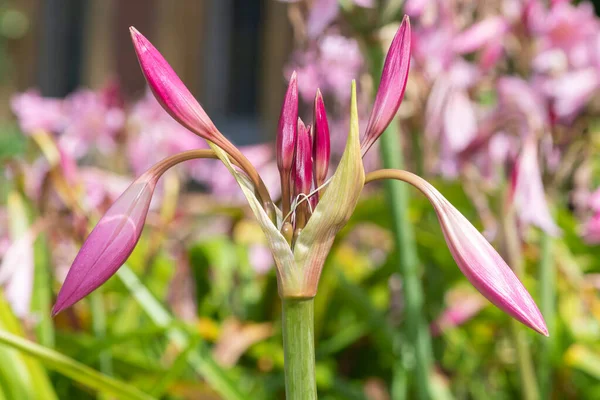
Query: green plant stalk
[
  {"x": 299, "y": 349},
  {"x": 547, "y": 282},
  {"x": 416, "y": 330},
  {"x": 99, "y": 328},
  {"x": 529, "y": 386}
]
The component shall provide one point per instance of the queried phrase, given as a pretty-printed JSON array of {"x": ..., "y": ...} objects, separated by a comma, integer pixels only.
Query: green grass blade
[
  {"x": 73, "y": 369},
  {"x": 201, "y": 360}
]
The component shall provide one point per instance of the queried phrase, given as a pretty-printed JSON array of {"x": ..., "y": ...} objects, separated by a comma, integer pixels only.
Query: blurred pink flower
[
  {"x": 450, "y": 115},
  {"x": 478, "y": 35},
  {"x": 35, "y": 112},
  {"x": 461, "y": 308},
  {"x": 154, "y": 135},
  {"x": 527, "y": 190},
  {"x": 101, "y": 187},
  {"x": 572, "y": 91},
  {"x": 591, "y": 229},
  {"x": 91, "y": 123},
  {"x": 224, "y": 186},
  {"x": 323, "y": 12},
  {"x": 261, "y": 258},
  {"x": 518, "y": 98},
  {"x": 330, "y": 65}
]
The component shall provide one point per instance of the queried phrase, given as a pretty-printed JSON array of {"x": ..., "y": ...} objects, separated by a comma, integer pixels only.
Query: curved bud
[
  {"x": 287, "y": 129},
  {"x": 114, "y": 237},
  {"x": 109, "y": 244},
  {"x": 391, "y": 87},
  {"x": 321, "y": 141},
  {"x": 177, "y": 100},
  {"x": 475, "y": 257},
  {"x": 171, "y": 93}
]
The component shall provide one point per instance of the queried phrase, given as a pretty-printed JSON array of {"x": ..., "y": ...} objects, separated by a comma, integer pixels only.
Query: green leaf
[
  {"x": 334, "y": 209},
  {"x": 201, "y": 360},
  {"x": 72, "y": 369}
]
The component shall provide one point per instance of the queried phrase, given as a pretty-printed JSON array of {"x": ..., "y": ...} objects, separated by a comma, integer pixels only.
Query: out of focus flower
[
  {"x": 329, "y": 66},
  {"x": 591, "y": 229},
  {"x": 527, "y": 190},
  {"x": 324, "y": 12},
  {"x": 154, "y": 135},
  {"x": 35, "y": 113},
  {"x": 91, "y": 123},
  {"x": 461, "y": 307}
]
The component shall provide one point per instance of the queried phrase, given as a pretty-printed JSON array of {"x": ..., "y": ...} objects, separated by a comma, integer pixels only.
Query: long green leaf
[
  {"x": 201, "y": 361},
  {"x": 73, "y": 369}
]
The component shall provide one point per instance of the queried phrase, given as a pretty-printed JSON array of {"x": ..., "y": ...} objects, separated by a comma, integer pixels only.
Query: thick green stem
[
  {"x": 547, "y": 281},
  {"x": 418, "y": 345},
  {"x": 299, "y": 349}
]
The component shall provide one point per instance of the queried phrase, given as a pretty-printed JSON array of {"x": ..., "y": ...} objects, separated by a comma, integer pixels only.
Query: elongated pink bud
[
  {"x": 482, "y": 265},
  {"x": 171, "y": 93},
  {"x": 321, "y": 141},
  {"x": 391, "y": 87},
  {"x": 304, "y": 165},
  {"x": 109, "y": 244},
  {"x": 288, "y": 127},
  {"x": 476, "y": 258}
]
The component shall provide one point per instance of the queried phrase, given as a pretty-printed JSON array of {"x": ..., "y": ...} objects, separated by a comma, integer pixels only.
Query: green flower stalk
[{"x": 301, "y": 238}]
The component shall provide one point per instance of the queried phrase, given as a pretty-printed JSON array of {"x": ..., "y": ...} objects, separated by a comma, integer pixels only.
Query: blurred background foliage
[{"x": 195, "y": 312}]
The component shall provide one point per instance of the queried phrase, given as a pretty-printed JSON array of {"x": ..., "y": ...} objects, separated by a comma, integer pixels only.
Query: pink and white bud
[
  {"x": 321, "y": 141},
  {"x": 287, "y": 130},
  {"x": 483, "y": 266},
  {"x": 109, "y": 244},
  {"x": 391, "y": 87},
  {"x": 475, "y": 256},
  {"x": 171, "y": 93}
]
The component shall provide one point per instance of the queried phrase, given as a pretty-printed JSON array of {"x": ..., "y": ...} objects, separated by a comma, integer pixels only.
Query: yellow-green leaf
[{"x": 333, "y": 211}]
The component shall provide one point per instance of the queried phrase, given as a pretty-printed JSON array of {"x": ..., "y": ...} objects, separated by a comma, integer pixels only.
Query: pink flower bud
[
  {"x": 171, "y": 93},
  {"x": 482, "y": 265},
  {"x": 391, "y": 87},
  {"x": 304, "y": 165},
  {"x": 109, "y": 244},
  {"x": 475, "y": 257},
  {"x": 288, "y": 127},
  {"x": 321, "y": 143}
]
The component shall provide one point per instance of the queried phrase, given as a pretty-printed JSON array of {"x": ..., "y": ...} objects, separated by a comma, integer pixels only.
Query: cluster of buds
[
  {"x": 301, "y": 244},
  {"x": 303, "y": 153}
]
